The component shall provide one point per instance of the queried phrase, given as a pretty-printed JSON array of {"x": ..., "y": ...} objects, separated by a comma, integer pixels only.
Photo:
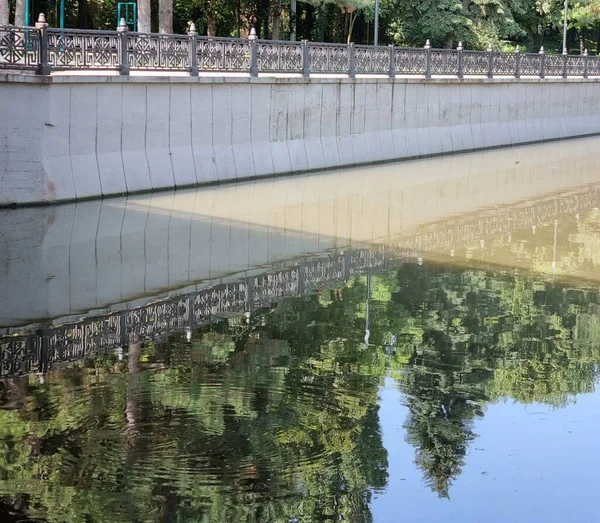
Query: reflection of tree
[{"x": 276, "y": 417}]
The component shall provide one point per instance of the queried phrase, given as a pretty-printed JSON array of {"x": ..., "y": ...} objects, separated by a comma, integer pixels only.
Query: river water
[{"x": 410, "y": 342}]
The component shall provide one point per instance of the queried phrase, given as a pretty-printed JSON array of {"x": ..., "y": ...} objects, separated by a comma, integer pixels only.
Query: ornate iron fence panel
[
  {"x": 268, "y": 288},
  {"x": 554, "y": 65},
  {"x": 444, "y": 61},
  {"x": 279, "y": 57},
  {"x": 329, "y": 58},
  {"x": 475, "y": 62},
  {"x": 593, "y": 66},
  {"x": 152, "y": 51},
  {"x": 575, "y": 65},
  {"x": 531, "y": 64},
  {"x": 221, "y": 300},
  {"x": 223, "y": 54},
  {"x": 19, "y": 48},
  {"x": 73, "y": 49},
  {"x": 504, "y": 64},
  {"x": 325, "y": 271},
  {"x": 158, "y": 317},
  {"x": 372, "y": 60},
  {"x": 411, "y": 61},
  {"x": 366, "y": 260},
  {"x": 19, "y": 355}
]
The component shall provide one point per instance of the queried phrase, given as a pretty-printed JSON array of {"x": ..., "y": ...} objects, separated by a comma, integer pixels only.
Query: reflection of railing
[
  {"x": 45, "y": 49},
  {"x": 37, "y": 351}
]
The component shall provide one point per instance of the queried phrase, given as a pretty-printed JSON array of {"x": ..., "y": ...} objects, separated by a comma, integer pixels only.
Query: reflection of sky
[{"x": 529, "y": 463}]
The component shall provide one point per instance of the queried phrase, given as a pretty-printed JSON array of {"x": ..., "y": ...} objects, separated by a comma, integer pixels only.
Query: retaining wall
[{"x": 72, "y": 137}]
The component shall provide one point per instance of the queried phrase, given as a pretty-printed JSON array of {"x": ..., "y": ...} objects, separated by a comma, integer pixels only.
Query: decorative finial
[
  {"x": 489, "y": 49},
  {"x": 252, "y": 34},
  {"x": 460, "y": 46},
  {"x": 565, "y": 51},
  {"x": 542, "y": 50},
  {"x": 518, "y": 49},
  {"x": 428, "y": 44},
  {"x": 585, "y": 52},
  {"x": 122, "y": 25},
  {"x": 192, "y": 31},
  {"x": 41, "y": 23}
]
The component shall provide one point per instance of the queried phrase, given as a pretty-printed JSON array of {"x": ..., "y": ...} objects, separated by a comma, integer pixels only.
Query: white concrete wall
[{"x": 80, "y": 137}]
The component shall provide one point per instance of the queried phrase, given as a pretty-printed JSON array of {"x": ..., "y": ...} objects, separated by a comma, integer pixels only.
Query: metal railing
[{"x": 43, "y": 49}]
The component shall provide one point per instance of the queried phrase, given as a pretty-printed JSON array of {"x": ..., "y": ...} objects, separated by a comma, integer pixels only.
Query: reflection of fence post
[
  {"x": 44, "y": 347},
  {"x": 392, "y": 73},
  {"x": 351, "y": 61},
  {"x": 123, "y": 59},
  {"x": 459, "y": 49},
  {"x": 517, "y": 63},
  {"x": 123, "y": 334},
  {"x": 305, "y": 59},
  {"x": 43, "y": 64},
  {"x": 490, "y": 52},
  {"x": 542, "y": 63},
  {"x": 585, "y": 63},
  {"x": 193, "y": 49},
  {"x": 565, "y": 61},
  {"x": 427, "y": 59},
  {"x": 253, "y": 52}
]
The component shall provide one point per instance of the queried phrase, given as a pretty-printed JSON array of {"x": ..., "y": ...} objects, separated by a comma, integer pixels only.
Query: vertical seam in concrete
[
  {"x": 146, "y": 136},
  {"x": 121, "y": 145},
  {"x": 231, "y": 131},
  {"x": 169, "y": 142},
  {"x": 96, "y": 251},
  {"x": 96, "y": 144},
  {"x": 70, "y": 155},
  {"x": 121, "y": 246},
  {"x": 70, "y": 246},
  {"x": 192, "y": 141},
  {"x": 251, "y": 130}
]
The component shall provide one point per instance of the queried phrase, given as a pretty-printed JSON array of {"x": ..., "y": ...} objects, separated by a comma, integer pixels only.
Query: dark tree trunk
[
  {"x": 277, "y": 11},
  {"x": 82, "y": 14},
  {"x": 211, "y": 24}
]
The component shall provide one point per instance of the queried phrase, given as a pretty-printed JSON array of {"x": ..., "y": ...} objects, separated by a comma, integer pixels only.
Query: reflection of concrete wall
[
  {"x": 72, "y": 258},
  {"x": 80, "y": 137}
]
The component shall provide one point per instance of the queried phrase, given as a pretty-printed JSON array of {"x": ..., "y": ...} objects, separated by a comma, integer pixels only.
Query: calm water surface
[{"x": 295, "y": 351}]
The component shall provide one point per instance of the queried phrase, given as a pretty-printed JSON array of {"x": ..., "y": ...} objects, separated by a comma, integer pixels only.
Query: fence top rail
[
  {"x": 82, "y": 32},
  {"x": 18, "y": 28},
  {"x": 278, "y": 42},
  {"x": 329, "y": 44}
]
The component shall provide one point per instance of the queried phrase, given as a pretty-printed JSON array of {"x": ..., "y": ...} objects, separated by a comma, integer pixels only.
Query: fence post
[
  {"x": 193, "y": 49},
  {"x": 392, "y": 73},
  {"x": 517, "y": 62},
  {"x": 253, "y": 52},
  {"x": 351, "y": 61},
  {"x": 459, "y": 49},
  {"x": 542, "y": 63},
  {"x": 585, "y": 63},
  {"x": 43, "y": 64},
  {"x": 427, "y": 59},
  {"x": 305, "y": 59},
  {"x": 565, "y": 59},
  {"x": 123, "y": 58},
  {"x": 490, "y": 52}
]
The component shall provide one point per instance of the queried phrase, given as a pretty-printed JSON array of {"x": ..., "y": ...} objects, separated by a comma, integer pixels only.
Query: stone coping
[{"x": 94, "y": 78}]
